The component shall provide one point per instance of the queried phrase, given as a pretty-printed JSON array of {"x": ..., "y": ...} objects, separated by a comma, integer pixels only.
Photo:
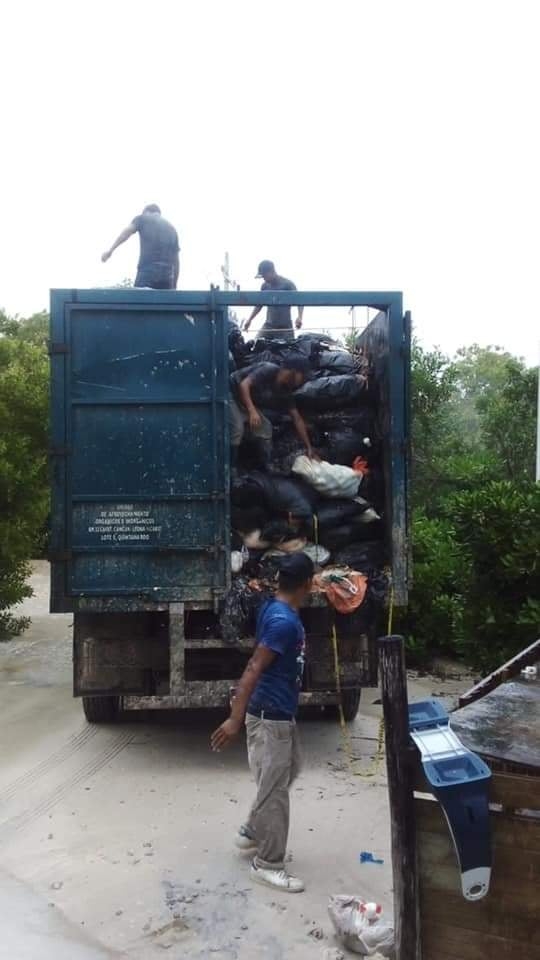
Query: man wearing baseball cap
[
  {"x": 267, "y": 697},
  {"x": 278, "y": 324}
]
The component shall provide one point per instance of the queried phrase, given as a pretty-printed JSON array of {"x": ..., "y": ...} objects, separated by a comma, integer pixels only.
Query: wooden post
[{"x": 400, "y": 790}]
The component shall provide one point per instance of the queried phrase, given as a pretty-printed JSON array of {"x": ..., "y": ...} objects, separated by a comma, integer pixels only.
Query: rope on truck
[{"x": 373, "y": 768}]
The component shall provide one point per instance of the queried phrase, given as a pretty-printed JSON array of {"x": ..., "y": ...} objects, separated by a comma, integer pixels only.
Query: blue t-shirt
[{"x": 279, "y": 628}]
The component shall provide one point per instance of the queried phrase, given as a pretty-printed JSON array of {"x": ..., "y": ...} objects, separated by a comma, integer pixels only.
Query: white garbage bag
[
  {"x": 329, "y": 479},
  {"x": 359, "y": 927},
  {"x": 238, "y": 559}
]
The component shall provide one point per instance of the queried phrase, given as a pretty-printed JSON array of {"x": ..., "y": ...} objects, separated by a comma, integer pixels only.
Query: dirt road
[{"x": 116, "y": 841}]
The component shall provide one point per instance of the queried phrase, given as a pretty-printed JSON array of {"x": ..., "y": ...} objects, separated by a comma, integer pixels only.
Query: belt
[{"x": 270, "y": 715}]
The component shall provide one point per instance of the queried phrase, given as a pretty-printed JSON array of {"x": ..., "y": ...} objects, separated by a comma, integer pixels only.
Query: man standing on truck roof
[
  {"x": 248, "y": 389},
  {"x": 278, "y": 325},
  {"x": 267, "y": 698},
  {"x": 159, "y": 261}
]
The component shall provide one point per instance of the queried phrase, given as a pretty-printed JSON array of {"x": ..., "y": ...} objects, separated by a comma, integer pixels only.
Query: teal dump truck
[{"x": 140, "y": 520}]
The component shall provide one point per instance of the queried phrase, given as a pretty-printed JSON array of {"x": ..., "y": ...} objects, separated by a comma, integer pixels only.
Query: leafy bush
[
  {"x": 499, "y": 526},
  {"x": 475, "y": 529},
  {"x": 23, "y": 464},
  {"x": 434, "y": 619}
]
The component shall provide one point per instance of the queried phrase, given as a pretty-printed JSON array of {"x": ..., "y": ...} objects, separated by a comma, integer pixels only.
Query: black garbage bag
[
  {"x": 237, "y": 346},
  {"x": 335, "y": 513},
  {"x": 246, "y": 491},
  {"x": 364, "y": 556},
  {"x": 360, "y": 419},
  {"x": 344, "y": 448},
  {"x": 279, "y": 495},
  {"x": 278, "y": 531},
  {"x": 336, "y": 362},
  {"x": 275, "y": 351},
  {"x": 284, "y": 453},
  {"x": 373, "y": 486},
  {"x": 340, "y": 438},
  {"x": 238, "y": 614},
  {"x": 377, "y": 587},
  {"x": 308, "y": 342},
  {"x": 355, "y": 531},
  {"x": 286, "y": 496},
  {"x": 264, "y": 567},
  {"x": 247, "y": 519},
  {"x": 236, "y": 541},
  {"x": 330, "y": 393}
]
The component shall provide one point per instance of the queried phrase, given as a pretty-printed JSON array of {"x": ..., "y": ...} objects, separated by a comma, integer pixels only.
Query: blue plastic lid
[{"x": 426, "y": 714}]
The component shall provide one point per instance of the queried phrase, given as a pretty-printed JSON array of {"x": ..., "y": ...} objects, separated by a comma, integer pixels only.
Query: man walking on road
[
  {"x": 267, "y": 697},
  {"x": 278, "y": 324},
  {"x": 159, "y": 263}
]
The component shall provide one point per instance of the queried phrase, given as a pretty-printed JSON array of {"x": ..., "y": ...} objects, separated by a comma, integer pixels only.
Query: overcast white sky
[{"x": 361, "y": 144}]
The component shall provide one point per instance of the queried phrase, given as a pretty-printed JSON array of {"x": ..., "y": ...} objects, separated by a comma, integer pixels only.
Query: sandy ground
[{"x": 116, "y": 841}]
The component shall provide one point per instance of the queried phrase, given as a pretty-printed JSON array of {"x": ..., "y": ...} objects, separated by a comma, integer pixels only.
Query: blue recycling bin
[{"x": 459, "y": 780}]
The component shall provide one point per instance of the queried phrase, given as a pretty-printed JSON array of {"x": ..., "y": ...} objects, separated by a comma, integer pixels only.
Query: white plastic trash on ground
[
  {"x": 329, "y": 479},
  {"x": 359, "y": 927}
]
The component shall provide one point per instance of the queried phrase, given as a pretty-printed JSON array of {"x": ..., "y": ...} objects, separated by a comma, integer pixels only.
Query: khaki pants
[
  {"x": 239, "y": 420},
  {"x": 274, "y": 760}
]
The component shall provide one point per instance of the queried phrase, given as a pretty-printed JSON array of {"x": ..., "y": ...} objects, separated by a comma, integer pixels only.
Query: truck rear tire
[
  {"x": 350, "y": 702},
  {"x": 101, "y": 709}
]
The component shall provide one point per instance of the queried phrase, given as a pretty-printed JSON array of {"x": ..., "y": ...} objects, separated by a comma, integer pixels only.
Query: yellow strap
[
  {"x": 374, "y": 768},
  {"x": 316, "y": 529}
]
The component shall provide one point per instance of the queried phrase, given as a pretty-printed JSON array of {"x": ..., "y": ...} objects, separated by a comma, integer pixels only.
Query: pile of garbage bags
[{"x": 331, "y": 508}]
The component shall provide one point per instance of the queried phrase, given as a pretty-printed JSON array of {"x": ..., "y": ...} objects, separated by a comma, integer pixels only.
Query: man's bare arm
[
  {"x": 254, "y": 313},
  {"x": 245, "y": 393},
  {"x": 302, "y": 431},
  {"x": 226, "y": 733},
  {"x": 299, "y": 318},
  {"x": 125, "y": 235}
]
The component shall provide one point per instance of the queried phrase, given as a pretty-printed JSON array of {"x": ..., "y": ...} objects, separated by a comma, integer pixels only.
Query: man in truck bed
[
  {"x": 278, "y": 325},
  {"x": 159, "y": 262},
  {"x": 248, "y": 389},
  {"x": 267, "y": 696}
]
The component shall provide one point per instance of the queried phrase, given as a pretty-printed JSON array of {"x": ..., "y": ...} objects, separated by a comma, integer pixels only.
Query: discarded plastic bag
[
  {"x": 239, "y": 610},
  {"x": 328, "y": 479},
  {"x": 345, "y": 590},
  {"x": 337, "y": 362},
  {"x": 361, "y": 556},
  {"x": 238, "y": 559},
  {"x": 360, "y": 465},
  {"x": 335, "y": 512},
  {"x": 317, "y": 554},
  {"x": 359, "y": 927},
  {"x": 337, "y": 538}
]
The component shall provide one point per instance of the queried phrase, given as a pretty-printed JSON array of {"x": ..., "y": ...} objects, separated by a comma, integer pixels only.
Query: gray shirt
[
  {"x": 159, "y": 242},
  {"x": 279, "y": 318}
]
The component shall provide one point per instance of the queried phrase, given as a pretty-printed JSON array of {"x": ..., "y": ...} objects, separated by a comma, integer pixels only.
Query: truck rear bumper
[{"x": 214, "y": 694}]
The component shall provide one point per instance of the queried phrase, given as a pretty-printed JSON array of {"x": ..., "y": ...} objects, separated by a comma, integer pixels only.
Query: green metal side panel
[{"x": 140, "y": 450}]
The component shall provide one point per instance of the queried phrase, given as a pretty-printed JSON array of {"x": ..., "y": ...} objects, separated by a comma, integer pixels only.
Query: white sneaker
[
  {"x": 244, "y": 842},
  {"x": 278, "y": 879}
]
